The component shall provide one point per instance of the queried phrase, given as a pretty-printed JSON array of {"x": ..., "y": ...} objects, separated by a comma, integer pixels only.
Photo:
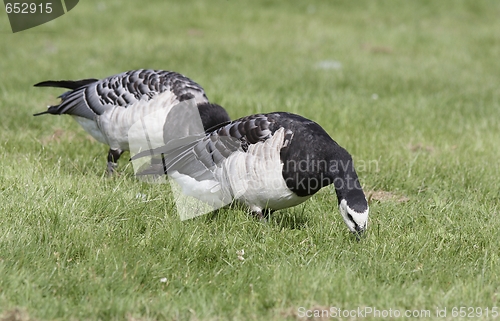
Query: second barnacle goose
[
  {"x": 265, "y": 161},
  {"x": 107, "y": 108}
]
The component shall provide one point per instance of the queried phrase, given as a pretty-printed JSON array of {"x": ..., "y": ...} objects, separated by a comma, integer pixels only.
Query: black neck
[
  {"x": 348, "y": 187},
  {"x": 315, "y": 162}
]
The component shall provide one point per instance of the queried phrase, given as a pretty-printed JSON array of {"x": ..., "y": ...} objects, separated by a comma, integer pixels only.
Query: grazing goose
[
  {"x": 107, "y": 108},
  {"x": 267, "y": 162}
]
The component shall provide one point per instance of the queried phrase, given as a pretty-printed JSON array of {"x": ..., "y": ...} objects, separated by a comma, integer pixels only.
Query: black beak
[
  {"x": 359, "y": 233},
  {"x": 359, "y": 229}
]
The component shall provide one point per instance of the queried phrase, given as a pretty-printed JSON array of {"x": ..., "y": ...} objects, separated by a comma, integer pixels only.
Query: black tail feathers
[
  {"x": 43, "y": 112},
  {"x": 69, "y": 84},
  {"x": 53, "y": 110}
]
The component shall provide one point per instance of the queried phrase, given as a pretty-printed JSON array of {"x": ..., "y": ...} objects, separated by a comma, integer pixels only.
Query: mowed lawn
[{"x": 411, "y": 89}]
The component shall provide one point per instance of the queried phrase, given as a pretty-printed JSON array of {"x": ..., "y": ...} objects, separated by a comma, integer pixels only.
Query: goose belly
[
  {"x": 91, "y": 127},
  {"x": 146, "y": 116},
  {"x": 207, "y": 191}
]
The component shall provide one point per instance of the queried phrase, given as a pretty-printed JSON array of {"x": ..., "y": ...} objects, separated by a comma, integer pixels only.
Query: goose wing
[
  {"x": 200, "y": 156},
  {"x": 90, "y": 97}
]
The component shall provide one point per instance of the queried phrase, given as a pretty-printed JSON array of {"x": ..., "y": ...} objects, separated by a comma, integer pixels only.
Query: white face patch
[{"x": 356, "y": 222}]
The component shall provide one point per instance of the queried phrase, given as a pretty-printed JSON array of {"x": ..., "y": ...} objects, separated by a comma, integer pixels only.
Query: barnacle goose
[
  {"x": 107, "y": 108},
  {"x": 265, "y": 161}
]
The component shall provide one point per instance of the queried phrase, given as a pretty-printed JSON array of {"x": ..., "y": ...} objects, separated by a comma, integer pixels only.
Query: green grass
[{"x": 416, "y": 101}]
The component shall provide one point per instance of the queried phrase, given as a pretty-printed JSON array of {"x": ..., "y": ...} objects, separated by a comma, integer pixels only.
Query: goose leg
[
  {"x": 266, "y": 213},
  {"x": 262, "y": 214},
  {"x": 113, "y": 156}
]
